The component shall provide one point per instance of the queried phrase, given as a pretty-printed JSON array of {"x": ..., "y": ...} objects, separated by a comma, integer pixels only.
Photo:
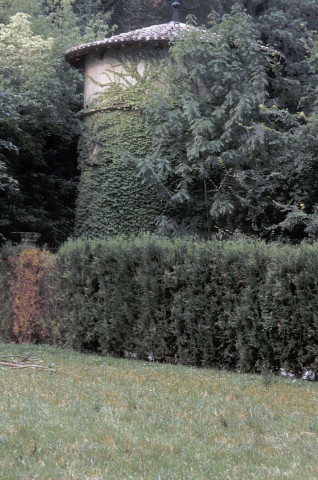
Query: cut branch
[{"x": 23, "y": 362}]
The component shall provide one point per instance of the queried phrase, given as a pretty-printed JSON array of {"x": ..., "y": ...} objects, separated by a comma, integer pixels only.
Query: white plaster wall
[{"x": 101, "y": 70}]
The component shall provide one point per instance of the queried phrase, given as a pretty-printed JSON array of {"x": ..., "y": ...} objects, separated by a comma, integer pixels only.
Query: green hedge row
[
  {"x": 243, "y": 305},
  {"x": 240, "y": 305}
]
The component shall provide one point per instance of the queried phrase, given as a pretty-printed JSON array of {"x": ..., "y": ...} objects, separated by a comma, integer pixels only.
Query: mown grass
[{"x": 99, "y": 418}]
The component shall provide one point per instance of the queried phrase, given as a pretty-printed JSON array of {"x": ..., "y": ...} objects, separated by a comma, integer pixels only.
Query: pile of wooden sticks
[{"x": 19, "y": 361}]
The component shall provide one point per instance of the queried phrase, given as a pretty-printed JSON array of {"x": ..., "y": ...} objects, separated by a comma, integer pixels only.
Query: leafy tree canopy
[
  {"x": 39, "y": 125},
  {"x": 230, "y": 155}
]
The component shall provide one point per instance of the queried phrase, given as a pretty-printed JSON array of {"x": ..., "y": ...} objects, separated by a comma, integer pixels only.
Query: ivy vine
[{"x": 113, "y": 198}]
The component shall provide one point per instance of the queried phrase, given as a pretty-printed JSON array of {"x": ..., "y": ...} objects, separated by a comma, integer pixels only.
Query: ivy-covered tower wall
[
  {"x": 112, "y": 197},
  {"x": 120, "y": 72}
]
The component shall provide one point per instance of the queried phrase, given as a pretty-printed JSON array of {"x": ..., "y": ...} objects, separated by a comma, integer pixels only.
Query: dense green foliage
[
  {"x": 245, "y": 155},
  {"x": 236, "y": 305},
  {"x": 235, "y": 150},
  {"x": 242, "y": 305},
  {"x": 40, "y": 97},
  {"x": 131, "y": 14},
  {"x": 112, "y": 198}
]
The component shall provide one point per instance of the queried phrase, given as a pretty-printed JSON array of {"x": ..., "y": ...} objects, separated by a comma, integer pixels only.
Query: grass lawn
[{"x": 99, "y": 418}]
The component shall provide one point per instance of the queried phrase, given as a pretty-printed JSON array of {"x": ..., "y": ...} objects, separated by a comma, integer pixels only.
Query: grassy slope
[{"x": 100, "y": 418}]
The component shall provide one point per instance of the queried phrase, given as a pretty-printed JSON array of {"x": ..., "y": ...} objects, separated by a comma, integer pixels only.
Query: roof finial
[{"x": 175, "y": 5}]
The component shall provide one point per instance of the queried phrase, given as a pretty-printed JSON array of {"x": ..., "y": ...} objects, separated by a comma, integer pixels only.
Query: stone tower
[{"x": 112, "y": 198}]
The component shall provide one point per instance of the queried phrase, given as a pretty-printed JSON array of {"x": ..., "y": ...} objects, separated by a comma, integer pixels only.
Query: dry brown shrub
[{"x": 34, "y": 309}]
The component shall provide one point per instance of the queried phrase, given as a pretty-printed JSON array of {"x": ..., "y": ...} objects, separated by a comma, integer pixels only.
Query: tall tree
[
  {"x": 41, "y": 97},
  {"x": 229, "y": 156}
]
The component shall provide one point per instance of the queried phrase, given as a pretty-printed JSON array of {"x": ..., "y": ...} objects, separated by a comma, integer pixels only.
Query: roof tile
[{"x": 161, "y": 33}]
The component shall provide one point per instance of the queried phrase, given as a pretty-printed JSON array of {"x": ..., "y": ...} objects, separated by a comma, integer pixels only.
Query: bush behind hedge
[
  {"x": 241, "y": 304},
  {"x": 30, "y": 296}
]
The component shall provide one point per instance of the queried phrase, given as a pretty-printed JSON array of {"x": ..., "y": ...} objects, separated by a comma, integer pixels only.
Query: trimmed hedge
[
  {"x": 242, "y": 305},
  {"x": 237, "y": 304}
]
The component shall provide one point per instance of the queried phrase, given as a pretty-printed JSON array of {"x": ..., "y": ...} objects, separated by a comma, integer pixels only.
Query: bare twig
[
  {"x": 26, "y": 365},
  {"x": 23, "y": 362}
]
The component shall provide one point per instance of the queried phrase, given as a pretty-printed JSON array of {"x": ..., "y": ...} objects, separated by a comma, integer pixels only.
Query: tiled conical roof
[{"x": 155, "y": 34}]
